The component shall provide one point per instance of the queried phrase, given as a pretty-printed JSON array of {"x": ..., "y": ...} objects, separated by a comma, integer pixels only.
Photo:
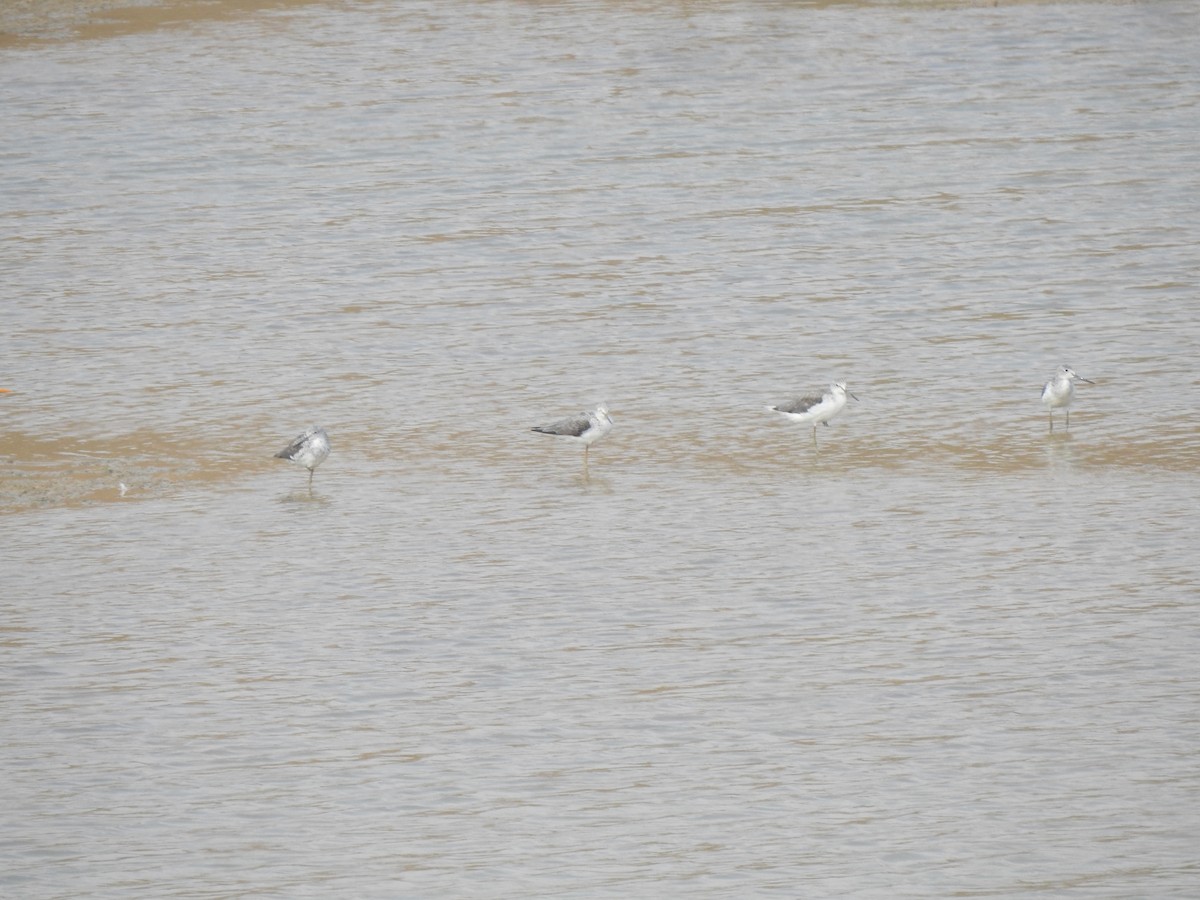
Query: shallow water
[{"x": 946, "y": 652}]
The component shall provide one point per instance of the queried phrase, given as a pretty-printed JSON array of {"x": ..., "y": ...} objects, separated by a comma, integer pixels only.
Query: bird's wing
[
  {"x": 799, "y": 405},
  {"x": 572, "y": 426},
  {"x": 290, "y": 451}
]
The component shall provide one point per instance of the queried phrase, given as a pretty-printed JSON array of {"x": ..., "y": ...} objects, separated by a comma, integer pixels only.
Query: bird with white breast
[
  {"x": 1059, "y": 391},
  {"x": 309, "y": 449},
  {"x": 585, "y": 428},
  {"x": 815, "y": 409}
]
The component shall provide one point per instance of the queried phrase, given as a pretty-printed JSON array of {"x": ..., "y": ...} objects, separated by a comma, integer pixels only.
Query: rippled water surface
[{"x": 945, "y": 652}]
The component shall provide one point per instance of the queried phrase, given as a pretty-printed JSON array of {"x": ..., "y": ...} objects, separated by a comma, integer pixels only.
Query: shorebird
[
  {"x": 584, "y": 427},
  {"x": 1059, "y": 391},
  {"x": 309, "y": 449},
  {"x": 815, "y": 408}
]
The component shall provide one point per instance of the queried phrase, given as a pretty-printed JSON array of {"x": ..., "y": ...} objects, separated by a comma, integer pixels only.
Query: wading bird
[
  {"x": 584, "y": 427},
  {"x": 1059, "y": 391},
  {"x": 309, "y": 449},
  {"x": 815, "y": 408}
]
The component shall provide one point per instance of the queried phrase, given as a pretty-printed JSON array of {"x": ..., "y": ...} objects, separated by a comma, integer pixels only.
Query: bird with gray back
[
  {"x": 815, "y": 409},
  {"x": 309, "y": 450},
  {"x": 585, "y": 428}
]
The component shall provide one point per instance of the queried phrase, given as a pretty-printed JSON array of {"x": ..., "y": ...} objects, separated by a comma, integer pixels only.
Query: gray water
[{"x": 944, "y": 653}]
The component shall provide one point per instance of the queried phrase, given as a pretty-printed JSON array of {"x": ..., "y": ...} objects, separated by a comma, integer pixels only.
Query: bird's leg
[{"x": 1068, "y": 420}]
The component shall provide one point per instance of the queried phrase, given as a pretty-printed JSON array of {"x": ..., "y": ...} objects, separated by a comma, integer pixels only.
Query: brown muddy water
[{"x": 945, "y": 653}]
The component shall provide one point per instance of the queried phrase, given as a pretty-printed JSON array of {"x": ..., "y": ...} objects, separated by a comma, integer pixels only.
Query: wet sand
[{"x": 42, "y": 472}]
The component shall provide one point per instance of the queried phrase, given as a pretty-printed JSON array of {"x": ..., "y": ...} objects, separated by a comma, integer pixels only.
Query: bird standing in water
[
  {"x": 815, "y": 408},
  {"x": 309, "y": 449},
  {"x": 584, "y": 427},
  {"x": 1059, "y": 391}
]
